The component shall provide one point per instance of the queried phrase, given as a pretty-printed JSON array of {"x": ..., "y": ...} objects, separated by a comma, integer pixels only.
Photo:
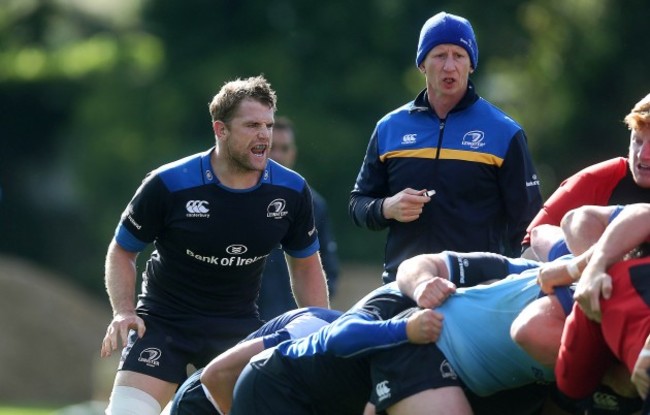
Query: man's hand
[
  {"x": 432, "y": 293},
  {"x": 553, "y": 274},
  {"x": 119, "y": 329},
  {"x": 424, "y": 326},
  {"x": 405, "y": 206},
  {"x": 592, "y": 285}
]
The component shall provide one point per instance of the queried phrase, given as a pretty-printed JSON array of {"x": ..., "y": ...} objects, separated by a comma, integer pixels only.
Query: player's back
[{"x": 476, "y": 335}]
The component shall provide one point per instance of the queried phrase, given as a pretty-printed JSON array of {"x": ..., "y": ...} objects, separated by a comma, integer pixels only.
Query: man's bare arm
[
  {"x": 120, "y": 277},
  {"x": 627, "y": 231},
  {"x": 308, "y": 281},
  {"x": 425, "y": 279}
]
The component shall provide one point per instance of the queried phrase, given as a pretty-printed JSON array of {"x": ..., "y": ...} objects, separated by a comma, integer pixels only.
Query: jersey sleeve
[
  {"x": 301, "y": 240},
  {"x": 359, "y": 333},
  {"x": 143, "y": 218},
  {"x": 473, "y": 268},
  {"x": 378, "y": 321},
  {"x": 370, "y": 188},
  {"x": 294, "y": 324},
  {"x": 519, "y": 185}
]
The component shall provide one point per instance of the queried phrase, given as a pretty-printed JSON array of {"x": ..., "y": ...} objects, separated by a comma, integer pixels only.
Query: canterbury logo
[
  {"x": 197, "y": 206},
  {"x": 382, "y": 390},
  {"x": 409, "y": 138}
]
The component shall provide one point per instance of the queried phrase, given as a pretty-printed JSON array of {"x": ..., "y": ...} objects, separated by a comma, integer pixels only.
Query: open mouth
[{"x": 259, "y": 150}]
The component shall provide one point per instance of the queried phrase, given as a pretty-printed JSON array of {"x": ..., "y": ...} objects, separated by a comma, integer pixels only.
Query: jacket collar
[{"x": 421, "y": 102}]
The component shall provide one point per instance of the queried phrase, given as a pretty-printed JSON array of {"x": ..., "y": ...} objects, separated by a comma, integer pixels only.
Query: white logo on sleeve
[
  {"x": 197, "y": 209},
  {"x": 533, "y": 182},
  {"x": 463, "y": 263}
]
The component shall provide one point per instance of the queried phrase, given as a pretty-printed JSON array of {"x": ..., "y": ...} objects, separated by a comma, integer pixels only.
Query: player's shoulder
[
  {"x": 612, "y": 167},
  {"x": 278, "y": 175},
  {"x": 184, "y": 173},
  {"x": 399, "y": 112},
  {"x": 495, "y": 116}
]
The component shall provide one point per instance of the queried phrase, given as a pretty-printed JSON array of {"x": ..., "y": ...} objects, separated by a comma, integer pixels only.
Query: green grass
[{"x": 10, "y": 410}]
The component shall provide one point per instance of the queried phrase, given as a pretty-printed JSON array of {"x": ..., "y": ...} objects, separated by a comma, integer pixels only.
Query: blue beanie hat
[{"x": 447, "y": 28}]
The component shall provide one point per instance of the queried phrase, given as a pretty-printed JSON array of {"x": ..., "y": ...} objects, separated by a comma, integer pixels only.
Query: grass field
[
  {"x": 10, "y": 410},
  {"x": 87, "y": 408}
]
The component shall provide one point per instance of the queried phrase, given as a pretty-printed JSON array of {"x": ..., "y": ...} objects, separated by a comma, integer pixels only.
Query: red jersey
[
  {"x": 607, "y": 183},
  {"x": 589, "y": 348}
]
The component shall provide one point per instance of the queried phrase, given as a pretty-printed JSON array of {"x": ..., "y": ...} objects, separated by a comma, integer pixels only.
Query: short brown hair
[
  {"x": 232, "y": 93},
  {"x": 639, "y": 117}
]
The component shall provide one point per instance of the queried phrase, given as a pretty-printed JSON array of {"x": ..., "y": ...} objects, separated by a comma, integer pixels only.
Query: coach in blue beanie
[
  {"x": 447, "y": 28},
  {"x": 450, "y": 140}
]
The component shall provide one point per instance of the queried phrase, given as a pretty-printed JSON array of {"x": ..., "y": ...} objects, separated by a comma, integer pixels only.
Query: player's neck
[{"x": 232, "y": 175}]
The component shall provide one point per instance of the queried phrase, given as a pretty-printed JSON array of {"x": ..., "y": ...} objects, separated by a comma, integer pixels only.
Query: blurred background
[{"x": 94, "y": 94}]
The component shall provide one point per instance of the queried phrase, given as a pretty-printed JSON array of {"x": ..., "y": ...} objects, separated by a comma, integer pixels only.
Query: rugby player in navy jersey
[{"x": 212, "y": 217}]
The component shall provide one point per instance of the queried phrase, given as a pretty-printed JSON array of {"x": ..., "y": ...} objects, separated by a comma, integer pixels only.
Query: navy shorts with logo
[
  {"x": 397, "y": 373},
  {"x": 169, "y": 344}
]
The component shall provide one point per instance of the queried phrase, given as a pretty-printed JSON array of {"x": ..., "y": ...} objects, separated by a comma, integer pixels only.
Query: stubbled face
[
  {"x": 447, "y": 68},
  {"x": 639, "y": 156},
  {"x": 246, "y": 140},
  {"x": 283, "y": 149}
]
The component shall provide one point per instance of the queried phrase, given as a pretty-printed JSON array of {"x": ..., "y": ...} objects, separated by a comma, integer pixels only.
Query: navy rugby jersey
[{"x": 211, "y": 241}]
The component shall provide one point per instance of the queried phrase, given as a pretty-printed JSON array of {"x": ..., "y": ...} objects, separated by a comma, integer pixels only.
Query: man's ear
[{"x": 219, "y": 128}]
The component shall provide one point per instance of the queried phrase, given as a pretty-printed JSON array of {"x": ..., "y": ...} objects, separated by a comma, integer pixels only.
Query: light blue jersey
[{"x": 476, "y": 335}]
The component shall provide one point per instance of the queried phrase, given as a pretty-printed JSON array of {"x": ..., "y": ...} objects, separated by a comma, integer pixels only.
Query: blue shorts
[
  {"x": 325, "y": 385},
  {"x": 397, "y": 373},
  {"x": 170, "y": 344},
  {"x": 255, "y": 394},
  {"x": 190, "y": 398}
]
